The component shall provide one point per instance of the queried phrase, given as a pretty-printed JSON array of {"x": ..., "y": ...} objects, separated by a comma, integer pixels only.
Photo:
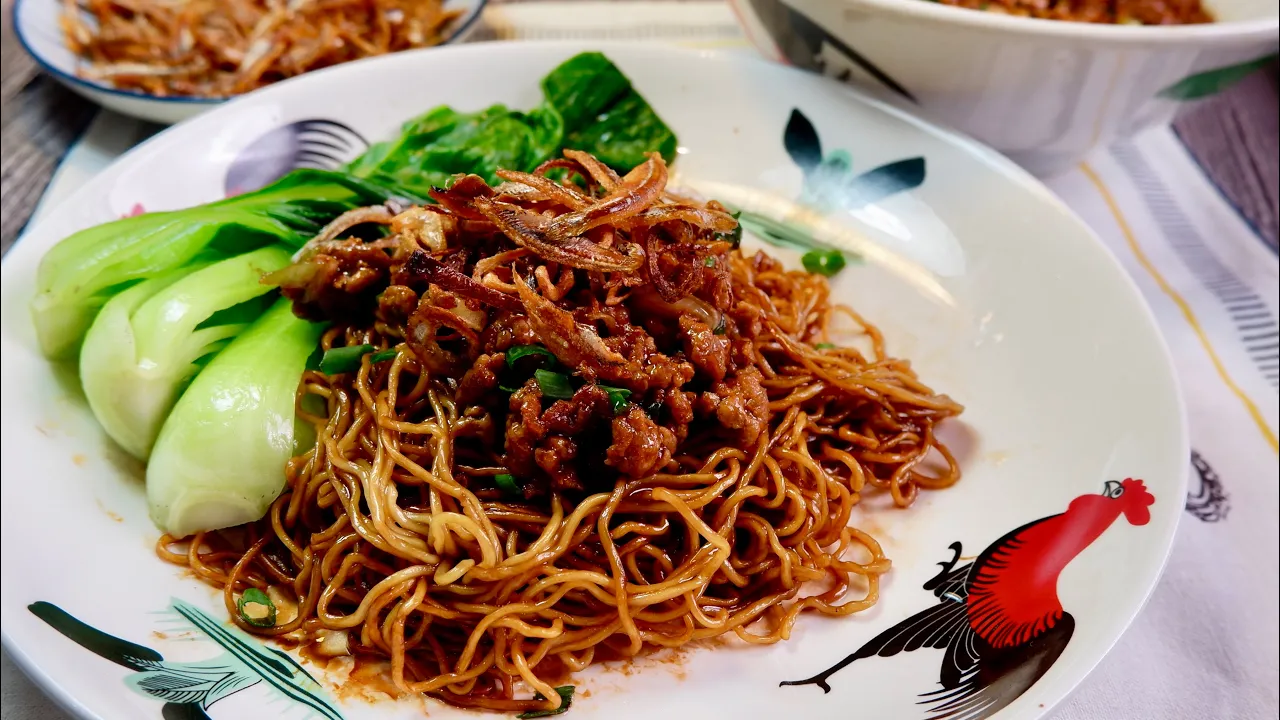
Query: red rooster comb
[{"x": 1136, "y": 498}]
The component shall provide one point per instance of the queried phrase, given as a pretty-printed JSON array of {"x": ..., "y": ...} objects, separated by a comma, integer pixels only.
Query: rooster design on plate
[{"x": 998, "y": 618}]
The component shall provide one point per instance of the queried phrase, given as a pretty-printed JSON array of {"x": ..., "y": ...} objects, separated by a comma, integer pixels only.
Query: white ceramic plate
[
  {"x": 36, "y": 24},
  {"x": 998, "y": 294}
]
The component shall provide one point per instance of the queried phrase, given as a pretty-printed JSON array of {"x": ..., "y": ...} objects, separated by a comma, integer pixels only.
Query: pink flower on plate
[{"x": 135, "y": 211}]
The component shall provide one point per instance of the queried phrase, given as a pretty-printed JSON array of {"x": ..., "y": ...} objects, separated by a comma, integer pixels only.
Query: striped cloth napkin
[{"x": 1208, "y": 644}]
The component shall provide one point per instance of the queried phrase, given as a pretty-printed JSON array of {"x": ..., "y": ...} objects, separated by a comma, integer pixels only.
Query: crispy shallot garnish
[
  {"x": 217, "y": 48},
  {"x": 421, "y": 267},
  {"x": 639, "y": 189}
]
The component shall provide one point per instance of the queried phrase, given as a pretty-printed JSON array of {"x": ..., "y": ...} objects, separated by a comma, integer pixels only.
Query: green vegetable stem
[
  {"x": 559, "y": 386},
  {"x": 150, "y": 340},
  {"x": 566, "y": 699},
  {"x": 343, "y": 359},
  {"x": 553, "y": 384},
  {"x": 519, "y": 352},
  {"x": 507, "y": 483},
  {"x": 219, "y": 457},
  {"x": 85, "y": 270}
]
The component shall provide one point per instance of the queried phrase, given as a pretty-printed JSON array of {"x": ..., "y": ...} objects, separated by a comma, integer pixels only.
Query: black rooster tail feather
[
  {"x": 996, "y": 677},
  {"x": 947, "y": 566},
  {"x": 936, "y": 627}
]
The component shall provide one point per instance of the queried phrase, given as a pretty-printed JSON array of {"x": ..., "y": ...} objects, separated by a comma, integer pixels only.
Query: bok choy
[
  {"x": 147, "y": 342},
  {"x": 220, "y": 457},
  {"x": 588, "y": 105},
  {"x": 79, "y": 274}
]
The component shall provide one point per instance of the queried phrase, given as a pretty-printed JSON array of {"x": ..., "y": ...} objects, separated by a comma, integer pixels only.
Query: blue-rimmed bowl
[{"x": 36, "y": 24}]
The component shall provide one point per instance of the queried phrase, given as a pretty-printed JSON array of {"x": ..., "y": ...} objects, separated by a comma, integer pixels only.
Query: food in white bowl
[
  {"x": 1044, "y": 92},
  {"x": 220, "y": 48},
  {"x": 164, "y": 61},
  {"x": 1111, "y": 12}
]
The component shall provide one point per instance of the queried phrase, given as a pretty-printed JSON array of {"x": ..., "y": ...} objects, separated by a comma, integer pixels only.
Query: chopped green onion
[
  {"x": 507, "y": 388},
  {"x": 256, "y": 608},
  {"x": 619, "y": 398},
  {"x": 721, "y": 326},
  {"x": 518, "y": 352},
  {"x": 344, "y": 359},
  {"x": 823, "y": 262},
  {"x": 507, "y": 483},
  {"x": 382, "y": 355},
  {"x": 825, "y": 346},
  {"x": 553, "y": 384},
  {"x": 566, "y": 699},
  {"x": 710, "y": 261}
]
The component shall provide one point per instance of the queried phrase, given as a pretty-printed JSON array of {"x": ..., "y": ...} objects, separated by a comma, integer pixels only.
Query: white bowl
[
  {"x": 35, "y": 22},
  {"x": 1044, "y": 92},
  {"x": 972, "y": 269}
]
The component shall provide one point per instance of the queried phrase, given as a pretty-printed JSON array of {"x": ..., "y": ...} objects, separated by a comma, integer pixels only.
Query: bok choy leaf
[
  {"x": 79, "y": 274},
  {"x": 588, "y": 104},
  {"x": 147, "y": 342},
  {"x": 219, "y": 458}
]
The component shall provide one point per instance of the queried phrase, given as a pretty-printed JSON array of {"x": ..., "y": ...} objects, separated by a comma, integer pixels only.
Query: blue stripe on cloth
[
  {"x": 1235, "y": 207},
  {"x": 1253, "y": 320}
]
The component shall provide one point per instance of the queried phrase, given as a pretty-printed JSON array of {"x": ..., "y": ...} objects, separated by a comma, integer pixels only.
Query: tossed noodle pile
[
  {"x": 216, "y": 48},
  {"x": 585, "y": 425}
]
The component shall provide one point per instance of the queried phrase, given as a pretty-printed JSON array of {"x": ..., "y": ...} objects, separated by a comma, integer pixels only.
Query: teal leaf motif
[
  {"x": 1211, "y": 82},
  {"x": 801, "y": 142},
  {"x": 829, "y": 184},
  {"x": 885, "y": 181},
  {"x": 829, "y": 181},
  {"x": 287, "y": 679},
  {"x": 202, "y": 683},
  {"x": 189, "y": 689}
]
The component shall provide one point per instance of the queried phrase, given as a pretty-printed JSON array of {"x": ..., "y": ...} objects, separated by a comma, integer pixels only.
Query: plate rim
[{"x": 980, "y": 152}]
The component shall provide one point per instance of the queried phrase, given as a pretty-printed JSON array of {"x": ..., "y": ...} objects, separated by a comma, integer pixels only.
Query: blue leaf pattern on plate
[
  {"x": 189, "y": 689},
  {"x": 830, "y": 184}
]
